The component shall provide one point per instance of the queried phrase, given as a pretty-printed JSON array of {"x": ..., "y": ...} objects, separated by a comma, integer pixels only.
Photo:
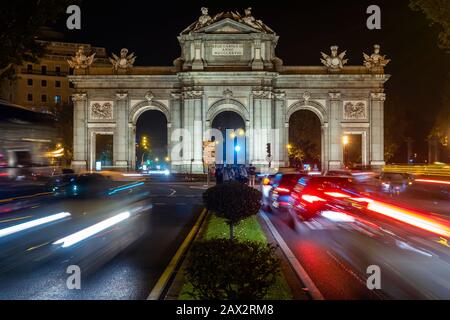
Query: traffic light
[{"x": 268, "y": 150}]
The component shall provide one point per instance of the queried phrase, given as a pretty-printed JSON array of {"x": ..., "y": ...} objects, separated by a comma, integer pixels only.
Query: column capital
[
  {"x": 262, "y": 94},
  {"x": 79, "y": 96},
  {"x": 175, "y": 95},
  {"x": 121, "y": 95},
  {"x": 378, "y": 96},
  {"x": 279, "y": 95},
  {"x": 335, "y": 95}
]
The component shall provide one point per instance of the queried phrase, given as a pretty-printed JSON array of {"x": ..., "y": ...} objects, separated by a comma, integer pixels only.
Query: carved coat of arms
[
  {"x": 102, "y": 111},
  {"x": 355, "y": 110}
]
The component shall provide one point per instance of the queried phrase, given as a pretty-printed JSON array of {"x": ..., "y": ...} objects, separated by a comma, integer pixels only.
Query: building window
[
  {"x": 58, "y": 70},
  {"x": 58, "y": 84},
  {"x": 44, "y": 69},
  {"x": 30, "y": 82},
  {"x": 57, "y": 99},
  {"x": 43, "y": 83},
  {"x": 44, "y": 98},
  {"x": 71, "y": 85},
  {"x": 29, "y": 68},
  {"x": 30, "y": 97}
]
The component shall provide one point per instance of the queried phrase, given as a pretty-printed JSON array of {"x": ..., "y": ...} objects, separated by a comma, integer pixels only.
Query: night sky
[{"x": 418, "y": 67}]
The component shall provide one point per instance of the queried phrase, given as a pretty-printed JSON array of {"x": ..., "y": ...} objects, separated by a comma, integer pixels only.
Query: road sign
[{"x": 209, "y": 152}]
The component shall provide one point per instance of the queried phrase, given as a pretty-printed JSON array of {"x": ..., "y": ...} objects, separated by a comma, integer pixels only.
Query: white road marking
[{"x": 298, "y": 268}]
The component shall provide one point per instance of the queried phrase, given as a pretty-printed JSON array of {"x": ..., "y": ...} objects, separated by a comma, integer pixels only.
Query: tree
[
  {"x": 20, "y": 21},
  {"x": 64, "y": 126},
  {"x": 233, "y": 201},
  {"x": 221, "y": 269},
  {"x": 438, "y": 11}
]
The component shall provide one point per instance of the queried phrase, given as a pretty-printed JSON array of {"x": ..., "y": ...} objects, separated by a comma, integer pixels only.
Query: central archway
[
  {"x": 151, "y": 141},
  {"x": 233, "y": 137}
]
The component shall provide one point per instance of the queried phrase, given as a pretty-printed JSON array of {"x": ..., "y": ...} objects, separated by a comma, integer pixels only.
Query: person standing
[{"x": 252, "y": 175}]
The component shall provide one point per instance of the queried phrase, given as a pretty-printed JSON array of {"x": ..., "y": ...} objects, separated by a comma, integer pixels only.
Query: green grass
[{"x": 249, "y": 230}]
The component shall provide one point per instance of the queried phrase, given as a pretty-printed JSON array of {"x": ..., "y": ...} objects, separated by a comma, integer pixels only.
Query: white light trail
[
  {"x": 92, "y": 230},
  {"x": 31, "y": 224}
]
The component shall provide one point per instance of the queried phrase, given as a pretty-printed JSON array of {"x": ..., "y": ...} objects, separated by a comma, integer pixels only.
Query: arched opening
[
  {"x": 233, "y": 138},
  {"x": 151, "y": 141},
  {"x": 305, "y": 140}
]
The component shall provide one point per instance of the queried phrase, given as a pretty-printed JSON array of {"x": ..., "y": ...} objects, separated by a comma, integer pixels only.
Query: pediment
[{"x": 228, "y": 26}]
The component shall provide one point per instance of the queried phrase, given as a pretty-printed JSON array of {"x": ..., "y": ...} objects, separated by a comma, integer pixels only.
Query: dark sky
[{"x": 418, "y": 67}]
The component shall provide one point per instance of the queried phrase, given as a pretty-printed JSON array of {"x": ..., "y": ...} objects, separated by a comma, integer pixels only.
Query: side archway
[
  {"x": 306, "y": 123},
  {"x": 143, "y": 106},
  {"x": 312, "y": 106}
]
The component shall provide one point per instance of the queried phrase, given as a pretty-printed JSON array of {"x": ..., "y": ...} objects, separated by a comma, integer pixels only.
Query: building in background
[{"x": 40, "y": 86}]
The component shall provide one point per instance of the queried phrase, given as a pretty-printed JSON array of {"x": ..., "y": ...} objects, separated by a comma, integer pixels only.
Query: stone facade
[{"x": 228, "y": 63}]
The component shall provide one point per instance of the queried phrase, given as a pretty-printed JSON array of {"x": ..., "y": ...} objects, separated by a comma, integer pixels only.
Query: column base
[
  {"x": 334, "y": 165},
  {"x": 79, "y": 165}
]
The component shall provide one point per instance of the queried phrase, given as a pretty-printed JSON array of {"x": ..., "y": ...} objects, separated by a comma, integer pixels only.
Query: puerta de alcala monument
[{"x": 228, "y": 62}]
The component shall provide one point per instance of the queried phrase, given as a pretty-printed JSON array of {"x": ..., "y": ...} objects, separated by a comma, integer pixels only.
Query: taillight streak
[
  {"x": 407, "y": 216},
  {"x": 312, "y": 199}
]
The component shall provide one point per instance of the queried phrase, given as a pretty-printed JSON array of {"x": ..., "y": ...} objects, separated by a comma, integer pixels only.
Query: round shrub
[{"x": 220, "y": 269}]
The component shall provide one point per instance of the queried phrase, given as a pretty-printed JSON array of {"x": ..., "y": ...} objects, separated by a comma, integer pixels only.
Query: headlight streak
[
  {"x": 126, "y": 187},
  {"x": 31, "y": 224},
  {"x": 92, "y": 230}
]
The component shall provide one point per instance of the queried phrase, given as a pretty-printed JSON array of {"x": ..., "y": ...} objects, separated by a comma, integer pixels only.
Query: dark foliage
[
  {"x": 232, "y": 201},
  {"x": 221, "y": 269}
]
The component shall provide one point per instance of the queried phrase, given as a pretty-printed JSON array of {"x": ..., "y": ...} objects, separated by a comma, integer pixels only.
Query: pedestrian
[
  {"x": 219, "y": 175},
  {"x": 252, "y": 175}
]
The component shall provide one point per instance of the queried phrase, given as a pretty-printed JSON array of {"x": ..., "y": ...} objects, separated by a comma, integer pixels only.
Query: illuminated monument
[{"x": 228, "y": 63}]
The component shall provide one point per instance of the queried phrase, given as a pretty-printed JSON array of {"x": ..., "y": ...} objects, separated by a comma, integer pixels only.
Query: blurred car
[
  {"x": 313, "y": 194},
  {"x": 83, "y": 185},
  {"x": 394, "y": 183},
  {"x": 279, "y": 191}
]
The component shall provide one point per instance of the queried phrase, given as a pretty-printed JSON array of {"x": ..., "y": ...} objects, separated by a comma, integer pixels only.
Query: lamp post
[{"x": 345, "y": 142}]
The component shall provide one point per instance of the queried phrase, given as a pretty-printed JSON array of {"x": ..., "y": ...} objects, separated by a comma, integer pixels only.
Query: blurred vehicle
[
  {"x": 313, "y": 194},
  {"x": 339, "y": 173},
  {"x": 394, "y": 183},
  {"x": 84, "y": 185},
  {"x": 279, "y": 190}
]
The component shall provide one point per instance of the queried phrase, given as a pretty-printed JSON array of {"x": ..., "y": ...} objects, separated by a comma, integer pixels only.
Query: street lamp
[
  {"x": 237, "y": 148},
  {"x": 345, "y": 142}
]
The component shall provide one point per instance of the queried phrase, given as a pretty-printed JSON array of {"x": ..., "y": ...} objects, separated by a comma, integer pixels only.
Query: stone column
[
  {"x": 121, "y": 134},
  {"x": 175, "y": 124},
  {"x": 335, "y": 154},
  {"x": 257, "y": 63},
  {"x": 132, "y": 146},
  {"x": 192, "y": 123},
  {"x": 198, "y": 132},
  {"x": 324, "y": 149},
  {"x": 257, "y": 125},
  {"x": 281, "y": 157},
  {"x": 377, "y": 129},
  {"x": 197, "y": 63},
  {"x": 80, "y": 137}
]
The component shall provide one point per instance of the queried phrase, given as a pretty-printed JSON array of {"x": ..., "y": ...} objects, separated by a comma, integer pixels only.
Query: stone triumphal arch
[{"x": 228, "y": 63}]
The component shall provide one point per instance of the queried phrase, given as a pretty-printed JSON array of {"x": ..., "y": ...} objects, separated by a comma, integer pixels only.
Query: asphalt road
[
  {"x": 123, "y": 261},
  {"x": 414, "y": 264}
]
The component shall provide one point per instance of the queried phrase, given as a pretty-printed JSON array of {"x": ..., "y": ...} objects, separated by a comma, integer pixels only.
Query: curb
[
  {"x": 171, "y": 269},
  {"x": 292, "y": 260}
]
